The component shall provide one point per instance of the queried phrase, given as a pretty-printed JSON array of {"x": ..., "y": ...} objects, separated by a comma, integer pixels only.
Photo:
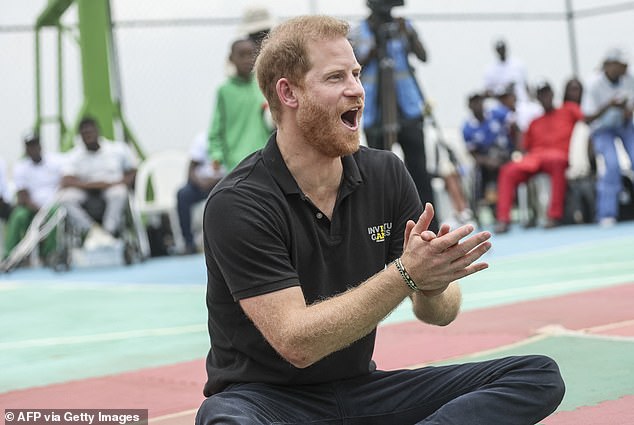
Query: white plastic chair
[{"x": 166, "y": 172}]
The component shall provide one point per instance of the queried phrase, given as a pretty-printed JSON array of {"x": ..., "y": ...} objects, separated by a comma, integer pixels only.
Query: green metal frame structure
[{"x": 100, "y": 74}]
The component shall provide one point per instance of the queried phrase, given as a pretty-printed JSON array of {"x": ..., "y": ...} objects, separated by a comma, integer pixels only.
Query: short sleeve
[{"x": 250, "y": 245}]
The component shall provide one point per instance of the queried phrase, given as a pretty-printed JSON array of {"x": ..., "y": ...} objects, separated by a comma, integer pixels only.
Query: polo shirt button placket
[{"x": 319, "y": 215}]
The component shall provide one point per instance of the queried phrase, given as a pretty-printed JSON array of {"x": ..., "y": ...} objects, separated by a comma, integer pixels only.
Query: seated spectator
[
  {"x": 103, "y": 170},
  {"x": 201, "y": 178},
  {"x": 488, "y": 137},
  {"x": 504, "y": 111},
  {"x": 37, "y": 178},
  {"x": 545, "y": 145},
  {"x": 447, "y": 167},
  {"x": 581, "y": 171},
  {"x": 608, "y": 107},
  {"x": 5, "y": 196}
]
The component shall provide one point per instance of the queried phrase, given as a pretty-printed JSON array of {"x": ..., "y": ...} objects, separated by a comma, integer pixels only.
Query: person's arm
[
  {"x": 303, "y": 334},
  {"x": 129, "y": 176},
  {"x": 438, "y": 307},
  {"x": 527, "y": 140},
  {"x": 364, "y": 47},
  {"x": 620, "y": 103},
  {"x": 481, "y": 159},
  {"x": 130, "y": 163},
  {"x": 74, "y": 181},
  {"x": 415, "y": 44}
]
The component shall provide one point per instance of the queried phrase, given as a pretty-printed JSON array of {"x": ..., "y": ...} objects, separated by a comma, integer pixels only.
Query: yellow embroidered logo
[{"x": 381, "y": 232}]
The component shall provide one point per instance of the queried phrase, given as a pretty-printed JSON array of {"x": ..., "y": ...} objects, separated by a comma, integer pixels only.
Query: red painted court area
[{"x": 173, "y": 393}]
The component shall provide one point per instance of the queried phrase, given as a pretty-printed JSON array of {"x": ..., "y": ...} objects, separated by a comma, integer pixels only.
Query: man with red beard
[{"x": 312, "y": 241}]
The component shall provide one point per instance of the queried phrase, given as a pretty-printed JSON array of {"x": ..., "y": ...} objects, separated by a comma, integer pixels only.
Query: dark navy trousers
[
  {"x": 186, "y": 197},
  {"x": 519, "y": 390}
]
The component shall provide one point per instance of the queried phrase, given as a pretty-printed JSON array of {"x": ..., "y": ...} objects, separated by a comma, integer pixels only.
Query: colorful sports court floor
[{"x": 135, "y": 337}]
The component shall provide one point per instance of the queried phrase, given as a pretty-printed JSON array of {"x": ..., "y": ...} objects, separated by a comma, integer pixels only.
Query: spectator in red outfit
[{"x": 545, "y": 145}]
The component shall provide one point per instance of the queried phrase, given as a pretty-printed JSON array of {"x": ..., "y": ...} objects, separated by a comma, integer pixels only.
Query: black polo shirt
[{"x": 262, "y": 234}]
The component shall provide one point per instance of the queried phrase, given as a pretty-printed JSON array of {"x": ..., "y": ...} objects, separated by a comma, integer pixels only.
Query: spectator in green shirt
[{"x": 239, "y": 124}]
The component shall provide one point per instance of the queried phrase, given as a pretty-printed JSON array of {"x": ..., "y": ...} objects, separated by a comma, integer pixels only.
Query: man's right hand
[{"x": 434, "y": 261}]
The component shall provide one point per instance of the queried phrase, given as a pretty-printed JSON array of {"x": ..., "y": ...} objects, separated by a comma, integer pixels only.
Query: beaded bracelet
[{"x": 406, "y": 277}]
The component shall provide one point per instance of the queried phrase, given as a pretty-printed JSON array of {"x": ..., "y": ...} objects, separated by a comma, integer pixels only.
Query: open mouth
[{"x": 350, "y": 118}]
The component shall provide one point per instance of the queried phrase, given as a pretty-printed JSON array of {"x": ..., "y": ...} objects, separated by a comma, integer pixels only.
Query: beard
[{"x": 322, "y": 128}]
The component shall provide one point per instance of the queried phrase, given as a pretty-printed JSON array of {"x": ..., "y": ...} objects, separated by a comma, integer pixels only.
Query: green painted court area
[
  {"x": 57, "y": 331},
  {"x": 595, "y": 368}
]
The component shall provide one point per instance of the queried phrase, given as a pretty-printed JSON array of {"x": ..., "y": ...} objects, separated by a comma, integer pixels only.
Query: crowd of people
[
  {"x": 511, "y": 143},
  {"x": 92, "y": 181},
  {"x": 515, "y": 131}
]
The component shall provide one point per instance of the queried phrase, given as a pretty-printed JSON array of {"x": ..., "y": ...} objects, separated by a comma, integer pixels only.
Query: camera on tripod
[
  {"x": 385, "y": 5},
  {"x": 386, "y": 28}
]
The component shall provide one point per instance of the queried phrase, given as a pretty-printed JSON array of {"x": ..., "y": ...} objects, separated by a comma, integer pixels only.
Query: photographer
[{"x": 394, "y": 105}]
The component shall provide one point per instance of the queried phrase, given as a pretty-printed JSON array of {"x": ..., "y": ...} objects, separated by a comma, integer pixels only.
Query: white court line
[
  {"x": 542, "y": 289},
  {"x": 610, "y": 326},
  {"x": 542, "y": 333},
  {"x": 539, "y": 251},
  {"x": 494, "y": 350},
  {"x": 109, "y": 336},
  {"x": 558, "y": 330},
  {"x": 185, "y": 413}
]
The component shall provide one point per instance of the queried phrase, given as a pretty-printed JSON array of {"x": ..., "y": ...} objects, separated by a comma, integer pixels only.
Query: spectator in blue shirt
[{"x": 489, "y": 137}]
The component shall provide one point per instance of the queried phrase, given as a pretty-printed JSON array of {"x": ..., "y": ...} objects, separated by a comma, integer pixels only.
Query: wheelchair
[{"x": 131, "y": 246}]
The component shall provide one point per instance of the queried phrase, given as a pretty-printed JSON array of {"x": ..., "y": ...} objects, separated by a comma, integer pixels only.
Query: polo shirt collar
[{"x": 276, "y": 165}]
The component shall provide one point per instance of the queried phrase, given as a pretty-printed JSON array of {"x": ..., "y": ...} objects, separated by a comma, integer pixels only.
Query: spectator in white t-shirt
[
  {"x": 36, "y": 177},
  {"x": 100, "y": 169},
  {"x": 201, "y": 178},
  {"x": 504, "y": 72},
  {"x": 507, "y": 72}
]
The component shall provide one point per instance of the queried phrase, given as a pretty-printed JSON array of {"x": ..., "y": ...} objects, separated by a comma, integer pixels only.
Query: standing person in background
[
  {"x": 504, "y": 72},
  {"x": 608, "y": 106},
  {"x": 380, "y": 41},
  {"x": 509, "y": 72},
  {"x": 201, "y": 178},
  {"x": 312, "y": 241},
  {"x": 37, "y": 178},
  {"x": 238, "y": 126},
  {"x": 545, "y": 145},
  {"x": 255, "y": 24}
]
